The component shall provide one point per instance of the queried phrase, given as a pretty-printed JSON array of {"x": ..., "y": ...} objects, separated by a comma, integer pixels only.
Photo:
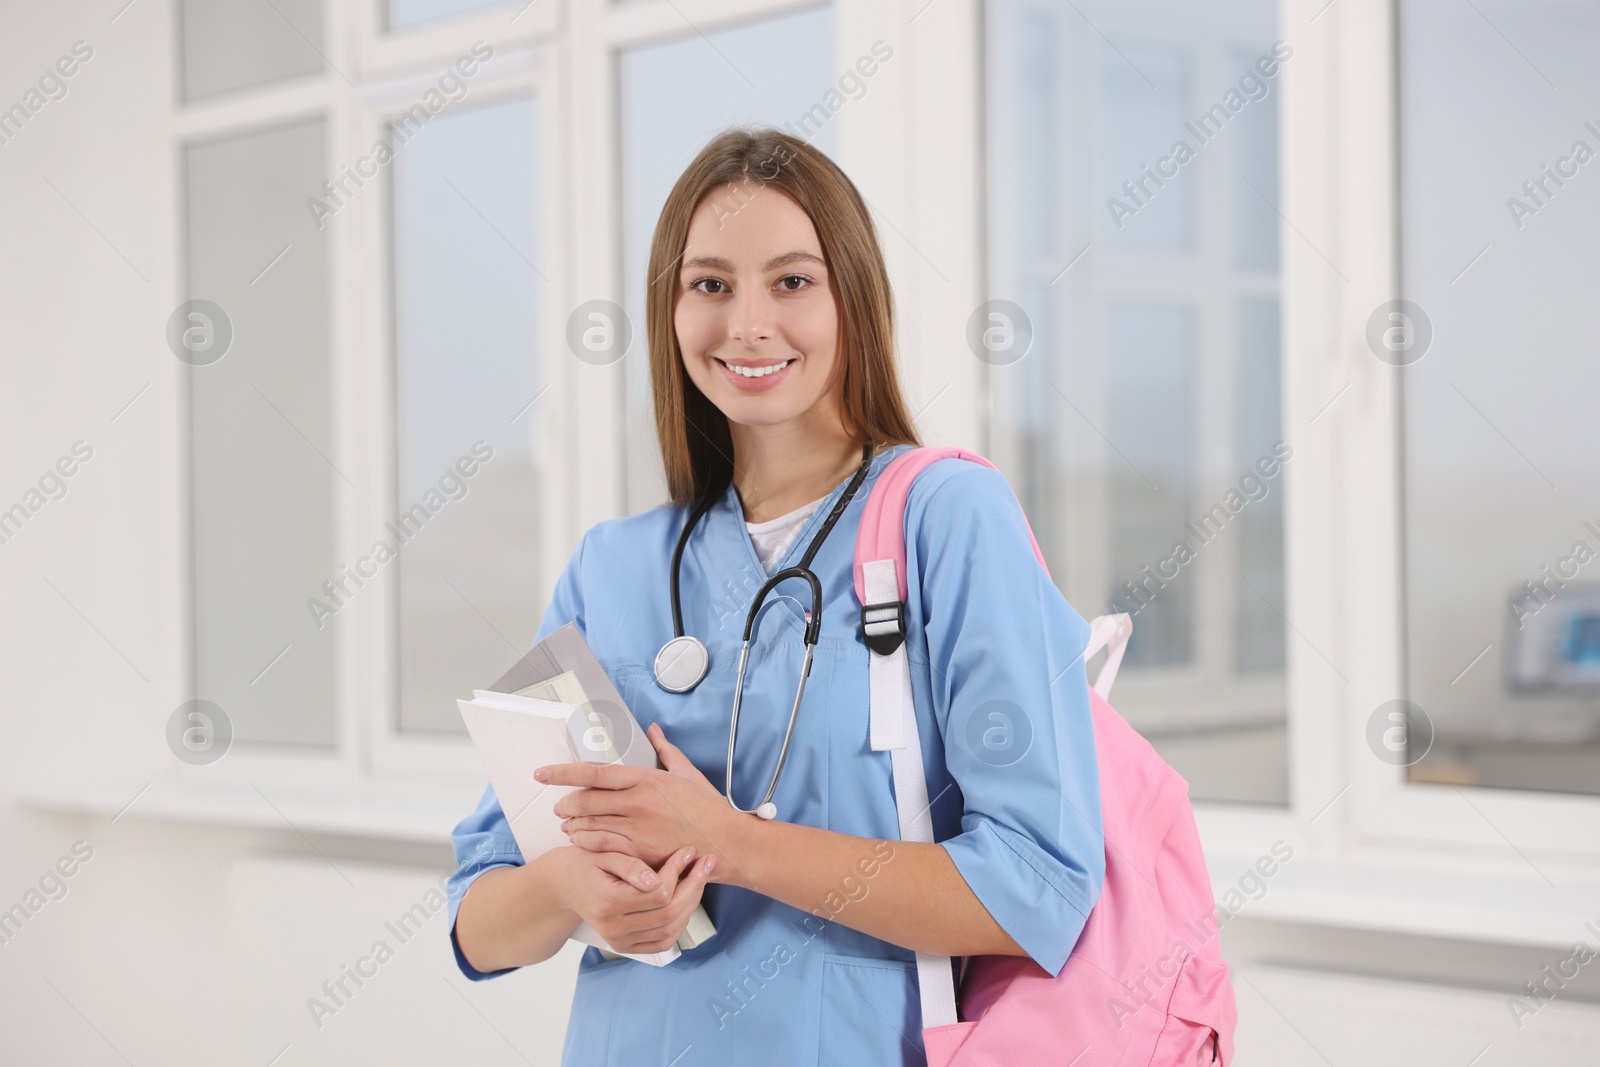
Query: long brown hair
[{"x": 696, "y": 445}]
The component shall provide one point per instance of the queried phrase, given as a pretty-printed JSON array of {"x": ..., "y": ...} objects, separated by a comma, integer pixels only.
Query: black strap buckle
[{"x": 885, "y": 642}]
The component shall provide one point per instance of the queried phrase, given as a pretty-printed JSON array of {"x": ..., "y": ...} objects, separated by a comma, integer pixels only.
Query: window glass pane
[
  {"x": 467, "y": 295},
  {"x": 234, "y": 44},
  {"x": 1150, "y": 393},
  {"x": 1255, "y": 154},
  {"x": 1144, "y": 98},
  {"x": 1500, "y": 210},
  {"x": 406, "y": 13},
  {"x": 676, "y": 96},
  {"x": 263, "y": 480},
  {"x": 1133, "y": 190},
  {"x": 1259, "y": 425}
]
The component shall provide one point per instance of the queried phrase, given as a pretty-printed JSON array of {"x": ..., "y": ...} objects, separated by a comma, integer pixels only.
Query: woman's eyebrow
[{"x": 718, "y": 263}]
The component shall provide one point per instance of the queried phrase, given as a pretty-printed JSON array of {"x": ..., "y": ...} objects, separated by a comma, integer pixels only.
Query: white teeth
[{"x": 761, "y": 372}]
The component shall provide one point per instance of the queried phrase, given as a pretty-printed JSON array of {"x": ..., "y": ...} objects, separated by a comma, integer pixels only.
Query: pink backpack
[{"x": 1146, "y": 984}]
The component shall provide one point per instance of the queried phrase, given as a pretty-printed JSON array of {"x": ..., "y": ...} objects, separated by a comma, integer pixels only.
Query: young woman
[{"x": 772, "y": 358}]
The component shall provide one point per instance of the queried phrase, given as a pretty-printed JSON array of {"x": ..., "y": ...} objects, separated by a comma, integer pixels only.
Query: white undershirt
[{"x": 773, "y": 537}]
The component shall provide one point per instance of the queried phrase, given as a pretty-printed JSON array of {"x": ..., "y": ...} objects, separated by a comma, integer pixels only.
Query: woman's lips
[{"x": 753, "y": 385}]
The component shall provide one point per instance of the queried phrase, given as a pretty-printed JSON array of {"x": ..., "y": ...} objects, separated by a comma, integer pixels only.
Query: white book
[{"x": 558, "y": 706}]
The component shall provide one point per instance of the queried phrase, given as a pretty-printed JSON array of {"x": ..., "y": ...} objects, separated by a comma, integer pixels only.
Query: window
[
  {"x": 1496, "y": 367},
  {"x": 1426, "y": 533},
  {"x": 467, "y": 305},
  {"x": 1133, "y": 240},
  {"x": 385, "y": 468},
  {"x": 263, "y": 480},
  {"x": 371, "y": 476}
]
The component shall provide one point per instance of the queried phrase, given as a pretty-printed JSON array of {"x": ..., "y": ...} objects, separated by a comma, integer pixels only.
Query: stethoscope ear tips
[
  {"x": 768, "y": 811},
  {"x": 681, "y": 664}
]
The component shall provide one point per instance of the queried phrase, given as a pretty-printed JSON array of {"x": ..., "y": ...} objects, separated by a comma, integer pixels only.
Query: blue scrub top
[{"x": 1008, "y": 749}]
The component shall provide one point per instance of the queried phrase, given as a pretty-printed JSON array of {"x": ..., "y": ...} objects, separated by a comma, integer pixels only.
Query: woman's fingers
[
  {"x": 613, "y": 801},
  {"x": 630, "y": 869},
  {"x": 694, "y": 883},
  {"x": 591, "y": 775},
  {"x": 600, "y": 833},
  {"x": 634, "y": 911},
  {"x": 602, "y": 841},
  {"x": 642, "y": 906},
  {"x": 655, "y": 940},
  {"x": 629, "y": 899},
  {"x": 675, "y": 916},
  {"x": 686, "y": 896},
  {"x": 615, "y": 823}
]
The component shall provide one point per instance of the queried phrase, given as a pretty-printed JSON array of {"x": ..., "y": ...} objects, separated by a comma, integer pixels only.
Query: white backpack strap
[
  {"x": 894, "y": 727},
  {"x": 1110, "y": 632},
  {"x": 883, "y": 622}
]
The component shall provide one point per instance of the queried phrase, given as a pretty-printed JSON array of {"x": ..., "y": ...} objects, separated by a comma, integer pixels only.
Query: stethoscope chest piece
[{"x": 681, "y": 664}]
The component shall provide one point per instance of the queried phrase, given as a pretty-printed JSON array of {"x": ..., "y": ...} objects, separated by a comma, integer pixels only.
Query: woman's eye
[
  {"x": 784, "y": 283},
  {"x": 709, "y": 281}
]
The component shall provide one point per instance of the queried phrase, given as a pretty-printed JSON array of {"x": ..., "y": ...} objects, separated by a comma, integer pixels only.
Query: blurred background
[{"x": 1278, "y": 316}]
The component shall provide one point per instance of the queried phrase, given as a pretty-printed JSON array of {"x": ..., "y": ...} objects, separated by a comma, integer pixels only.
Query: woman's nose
[{"x": 750, "y": 320}]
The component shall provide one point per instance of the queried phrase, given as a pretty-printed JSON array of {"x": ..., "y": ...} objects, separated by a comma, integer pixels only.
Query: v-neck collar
[{"x": 802, "y": 540}]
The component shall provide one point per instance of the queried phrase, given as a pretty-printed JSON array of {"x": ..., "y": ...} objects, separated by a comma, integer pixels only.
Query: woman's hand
[
  {"x": 641, "y": 812},
  {"x": 635, "y": 909}
]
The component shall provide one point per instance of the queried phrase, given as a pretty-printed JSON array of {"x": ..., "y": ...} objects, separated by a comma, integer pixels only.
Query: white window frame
[
  {"x": 1358, "y": 823},
  {"x": 1344, "y": 505},
  {"x": 395, "y": 750},
  {"x": 232, "y": 114},
  {"x": 370, "y": 751},
  {"x": 383, "y": 53},
  {"x": 1530, "y": 836}
]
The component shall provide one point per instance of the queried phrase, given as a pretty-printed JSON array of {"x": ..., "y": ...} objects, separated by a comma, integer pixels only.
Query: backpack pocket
[
  {"x": 1200, "y": 1015},
  {"x": 941, "y": 1043}
]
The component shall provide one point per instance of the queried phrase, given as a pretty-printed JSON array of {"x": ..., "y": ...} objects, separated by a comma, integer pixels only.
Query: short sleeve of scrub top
[{"x": 1011, "y": 699}]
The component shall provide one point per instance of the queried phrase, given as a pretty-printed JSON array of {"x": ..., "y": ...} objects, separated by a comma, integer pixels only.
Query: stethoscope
[{"x": 683, "y": 661}]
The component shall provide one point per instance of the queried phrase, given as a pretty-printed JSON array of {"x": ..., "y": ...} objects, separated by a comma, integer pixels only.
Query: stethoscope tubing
[
  {"x": 788, "y": 734},
  {"x": 813, "y": 632}
]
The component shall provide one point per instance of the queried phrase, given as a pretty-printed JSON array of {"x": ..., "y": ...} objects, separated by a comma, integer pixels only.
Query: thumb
[
  {"x": 693, "y": 881},
  {"x": 671, "y": 756}
]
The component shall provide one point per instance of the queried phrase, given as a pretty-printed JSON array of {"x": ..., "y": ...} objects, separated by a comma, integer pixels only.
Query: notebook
[{"x": 557, "y": 705}]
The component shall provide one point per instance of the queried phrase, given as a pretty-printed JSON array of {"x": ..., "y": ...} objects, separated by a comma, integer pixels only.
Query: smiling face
[{"x": 757, "y": 317}]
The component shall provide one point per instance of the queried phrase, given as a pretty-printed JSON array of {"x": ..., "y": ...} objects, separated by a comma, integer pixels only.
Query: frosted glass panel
[
  {"x": 263, "y": 479},
  {"x": 1133, "y": 194},
  {"x": 235, "y": 44},
  {"x": 676, "y": 96},
  {"x": 468, "y": 304},
  {"x": 1501, "y": 219}
]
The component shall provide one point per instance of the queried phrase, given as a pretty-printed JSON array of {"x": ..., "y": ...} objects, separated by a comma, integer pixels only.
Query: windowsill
[
  {"x": 1443, "y": 905},
  {"x": 421, "y": 815}
]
